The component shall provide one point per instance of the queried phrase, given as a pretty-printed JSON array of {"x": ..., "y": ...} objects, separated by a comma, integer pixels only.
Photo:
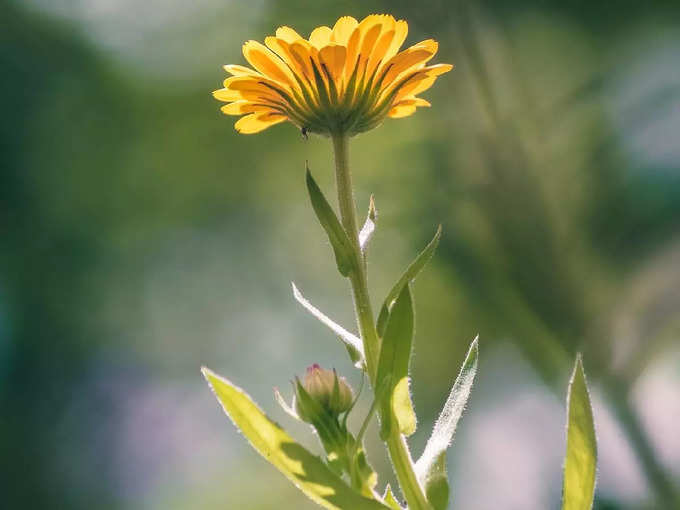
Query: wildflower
[{"x": 343, "y": 80}]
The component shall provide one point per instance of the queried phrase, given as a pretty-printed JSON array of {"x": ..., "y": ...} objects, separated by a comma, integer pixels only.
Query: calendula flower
[{"x": 342, "y": 80}]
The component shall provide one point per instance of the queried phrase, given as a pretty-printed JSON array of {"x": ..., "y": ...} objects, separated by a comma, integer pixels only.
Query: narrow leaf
[
  {"x": 369, "y": 226},
  {"x": 393, "y": 364},
  {"x": 305, "y": 470},
  {"x": 342, "y": 247},
  {"x": 289, "y": 409},
  {"x": 437, "y": 484},
  {"x": 390, "y": 500},
  {"x": 409, "y": 275},
  {"x": 445, "y": 427},
  {"x": 353, "y": 343},
  {"x": 581, "y": 459}
]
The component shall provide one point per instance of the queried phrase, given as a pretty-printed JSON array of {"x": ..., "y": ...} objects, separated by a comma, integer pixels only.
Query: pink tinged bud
[{"x": 331, "y": 392}]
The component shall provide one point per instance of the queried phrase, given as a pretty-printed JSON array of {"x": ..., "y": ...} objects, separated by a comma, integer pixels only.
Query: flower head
[
  {"x": 323, "y": 392},
  {"x": 344, "y": 79}
]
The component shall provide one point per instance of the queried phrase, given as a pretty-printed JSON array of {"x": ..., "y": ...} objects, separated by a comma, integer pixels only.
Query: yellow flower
[{"x": 343, "y": 80}]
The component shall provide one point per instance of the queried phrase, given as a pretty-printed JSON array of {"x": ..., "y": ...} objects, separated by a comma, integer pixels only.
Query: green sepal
[
  {"x": 407, "y": 277},
  {"x": 342, "y": 247},
  {"x": 395, "y": 355},
  {"x": 436, "y": 484},
  {"x": 432, "y": 463},
  {"x": 305, "y": 470},
  {"x": 324, "y": 423},
  {"x": 580, "y": 465},
  {"x": 390, "y": 500}
]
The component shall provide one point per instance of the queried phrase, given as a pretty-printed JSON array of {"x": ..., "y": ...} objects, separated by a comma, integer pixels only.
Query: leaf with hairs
[
  {"x": 305, "y": 470},
  {"x": 431, "y": 466},
  {"x": 580, "y": 465},
  {"x": 353, "y": 343}
]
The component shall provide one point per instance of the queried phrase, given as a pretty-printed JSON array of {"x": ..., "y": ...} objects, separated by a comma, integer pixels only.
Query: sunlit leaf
[
  {"x": 390, "y": 500},
  {"x": 580, "y": 464},
  {"x": 353, "y": 343},
  {"x": 436, "y": 484},
  {"x": 393, "y": 364},
  {"x": 369, "y": 225},
  {"x": 428, "y": 469},
  {"x": 307, "y": 471},
  {"x": 342, "y": 247},
  {"x": 409, "y": 275}
]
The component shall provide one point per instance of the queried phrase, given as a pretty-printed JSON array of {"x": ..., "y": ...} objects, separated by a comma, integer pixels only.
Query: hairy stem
[
  {"x": 396, "y": 443},
  {"x": 362, "y": 303}
]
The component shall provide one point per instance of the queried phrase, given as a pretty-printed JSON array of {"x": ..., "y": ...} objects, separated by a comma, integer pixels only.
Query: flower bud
[{"x": 328, "y": 394}]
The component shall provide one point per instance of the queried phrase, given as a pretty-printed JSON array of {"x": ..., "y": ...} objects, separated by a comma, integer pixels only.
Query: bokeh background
[{"x": 142, "y": 237}]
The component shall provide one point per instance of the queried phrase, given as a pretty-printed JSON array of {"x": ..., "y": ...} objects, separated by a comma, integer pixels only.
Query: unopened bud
[{"x": 331, "y": 393}]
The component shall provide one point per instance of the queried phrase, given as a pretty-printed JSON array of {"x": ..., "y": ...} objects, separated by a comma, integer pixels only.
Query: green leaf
[
  {"x": 369, "y": 226},
  {"x": 409, "y": 275},
  {"x": 353, "y": 343},
  {"x": 428, "y": 468},
  {"x": 393, "y": 364},
  {"x": 437, "y": 484},
  {"x": 581, "y": 460},
  {"x": 305, "y": 470},
  {"x": 390, "y": 500},
  {"x": 342, "y": 247}
]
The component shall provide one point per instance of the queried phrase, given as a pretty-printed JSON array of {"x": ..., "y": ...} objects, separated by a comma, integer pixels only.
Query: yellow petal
[
  {"x": 288, "y": 34},
  {"x": 256, "y": 122},
  {"x": 352, "y": 52},
  {"x": 282, "y": 49},
  {"x": 368, "y": 42},
  {"x": 410, "y": 59},
  {"x": 227, "y": 95},
  {"x": 428, "y": 44},
  {"x": 236, "y": 70},
  {"x": 242, "y": 107},
  {"x": 414, "y": 101},
  {"x": 301, "y": 53},
  {"x": 400, "y": 33},
  {"x": 400, "y": 111},
  {"x": 320, "y": 37},
  {"x": 422, "y": 80},
  {"x": 438, "y": 69},
  {"x": 342, "y": 30},
  {"x": 369, "y": 22},
  {"x": 240, "y": 87},
  {"x": 417, "y": 84},
  {"x": 333, "y": 56},
  {"x": 250, "y": 82},
  {"x": 379, "y": 51},
  {"x": 266, "y": 61}
]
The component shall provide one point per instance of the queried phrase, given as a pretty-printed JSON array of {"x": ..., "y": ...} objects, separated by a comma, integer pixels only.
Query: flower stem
[
  {"x": 362, "y": 303},
  {"x": 396, "y": 443}
]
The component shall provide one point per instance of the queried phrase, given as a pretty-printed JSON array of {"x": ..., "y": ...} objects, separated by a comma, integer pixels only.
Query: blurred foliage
[{"x": 136, "y": 223}]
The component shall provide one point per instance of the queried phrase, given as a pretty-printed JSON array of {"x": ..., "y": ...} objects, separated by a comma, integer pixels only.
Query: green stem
[
  {"x": 396, "y": 443},
  {"x": 362, "y": 303},
  {"x": 663, "y": 487}
]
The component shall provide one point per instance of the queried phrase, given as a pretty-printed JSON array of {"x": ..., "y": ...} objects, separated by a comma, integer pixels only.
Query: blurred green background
[{"x": 142, "y": 237}]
